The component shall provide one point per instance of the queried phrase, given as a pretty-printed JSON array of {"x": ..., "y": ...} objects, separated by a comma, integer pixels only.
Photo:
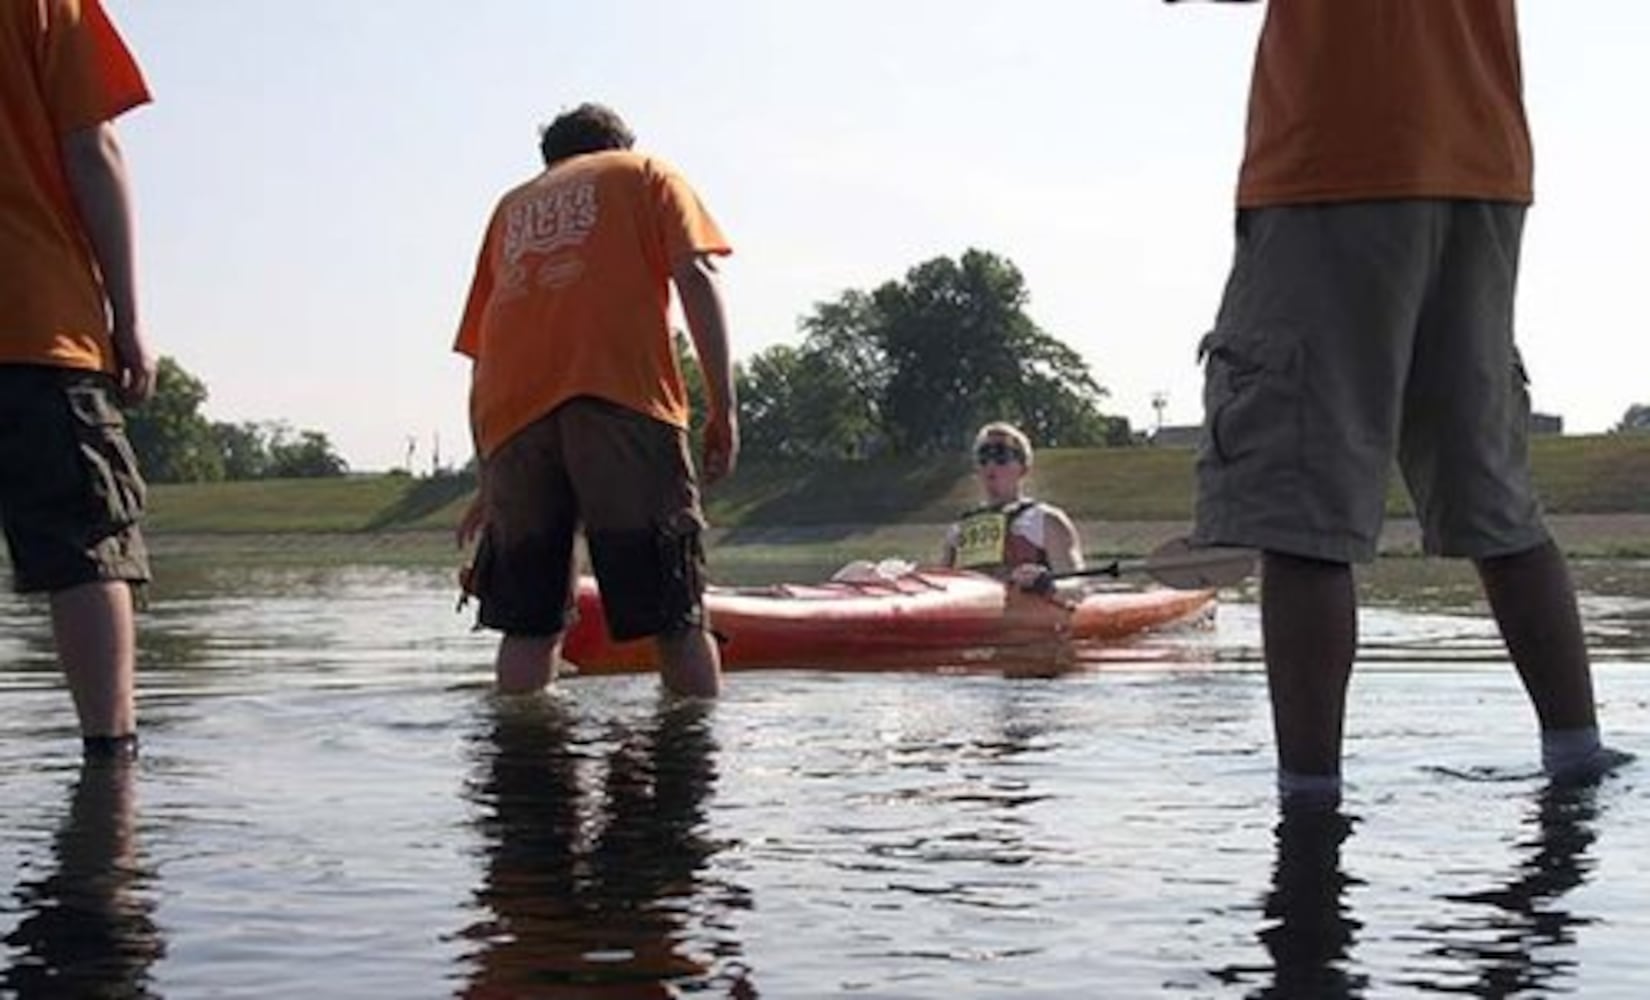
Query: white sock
[{"x": 1563, "y": 749}]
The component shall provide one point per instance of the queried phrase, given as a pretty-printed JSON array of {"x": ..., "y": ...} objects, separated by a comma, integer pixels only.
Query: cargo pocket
[
  {"x": 652, "y": 579},
  {"x": 682, "y": 552},
  {"x": 117, "y": 488},
  {"x": 1252, "y": 395}
]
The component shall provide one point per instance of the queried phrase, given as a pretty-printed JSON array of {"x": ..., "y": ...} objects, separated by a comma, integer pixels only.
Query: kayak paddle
[{"x": 1180, "y": 565}]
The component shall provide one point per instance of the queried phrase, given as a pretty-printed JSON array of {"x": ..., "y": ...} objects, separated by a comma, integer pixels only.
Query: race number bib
[{"x": 982, "y": 539}]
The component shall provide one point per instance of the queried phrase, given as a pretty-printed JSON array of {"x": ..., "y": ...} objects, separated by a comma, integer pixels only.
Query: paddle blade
[{"x": 1179, "y": 564}]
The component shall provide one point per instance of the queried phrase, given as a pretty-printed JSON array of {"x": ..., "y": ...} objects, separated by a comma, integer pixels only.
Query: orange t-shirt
[
  {"x": 571, "y": 294},
  {"x": 62, "y": 68},
  {"x": 1377, "y": 99}
]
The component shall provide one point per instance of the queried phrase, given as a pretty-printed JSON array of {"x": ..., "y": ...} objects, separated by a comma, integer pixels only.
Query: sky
[{"x": 313, "y": 178}]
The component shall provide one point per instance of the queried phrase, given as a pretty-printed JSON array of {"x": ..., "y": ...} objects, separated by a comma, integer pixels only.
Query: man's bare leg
[
  {"x": 690, "y": 663},
  {"x": 1309, "y": 623},
  {"x": 1534, "y": 604},
  {"x": 526, "y": 663},
  {"x": 96, "y": 636}
]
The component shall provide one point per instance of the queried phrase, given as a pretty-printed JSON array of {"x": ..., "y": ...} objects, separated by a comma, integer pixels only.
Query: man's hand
[
  {"x": 135, "y": 367},
  {"x": 1033, "y": 578},
  {"x": 470, "y": 524},
  {"x": 472, "y": 521},
  {"x": 695, "y": 278},
  {"x": 721, "y": 449}
]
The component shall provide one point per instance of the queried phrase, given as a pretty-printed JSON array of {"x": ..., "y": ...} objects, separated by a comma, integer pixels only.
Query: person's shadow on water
[
  {"x": 594, "y": 850},
  {"x": 87, "y": 930}
]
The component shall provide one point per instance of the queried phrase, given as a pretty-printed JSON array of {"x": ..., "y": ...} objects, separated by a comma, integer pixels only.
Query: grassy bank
[{"x": 1123, "y": 498}]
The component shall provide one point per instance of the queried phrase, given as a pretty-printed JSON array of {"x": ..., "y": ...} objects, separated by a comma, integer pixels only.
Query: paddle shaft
[{"x": 1176, "y": 564}]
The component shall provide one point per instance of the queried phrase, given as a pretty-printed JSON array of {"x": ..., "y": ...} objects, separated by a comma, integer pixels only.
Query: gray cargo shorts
[{"x": 1350, "y": 335}]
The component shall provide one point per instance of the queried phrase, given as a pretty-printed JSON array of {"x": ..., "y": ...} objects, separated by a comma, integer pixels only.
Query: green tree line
[
  {"x": 176, "y": 443},
  {"x": 911, "y": 367},
  {"x": 914, "y": 367}
]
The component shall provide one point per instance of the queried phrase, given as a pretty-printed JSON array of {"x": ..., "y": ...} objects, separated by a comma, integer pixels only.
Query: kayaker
[
  {"x": 1009, "y": 535},
  {"x": 1369, "y": 319},
  {"x": 72, "y": 349},
  {"x": 578, "y": 408}
]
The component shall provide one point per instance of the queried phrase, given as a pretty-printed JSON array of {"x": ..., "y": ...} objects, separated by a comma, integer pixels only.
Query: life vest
[{"x": 986, "y": 539}]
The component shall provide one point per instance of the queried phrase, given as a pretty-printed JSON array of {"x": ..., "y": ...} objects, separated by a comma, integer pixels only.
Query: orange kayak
[{"x": 931, "y": 618}]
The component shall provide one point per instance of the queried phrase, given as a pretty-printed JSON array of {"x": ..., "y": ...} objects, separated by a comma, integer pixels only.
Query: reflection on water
[
  {"x": 335, "y": 806},
  {"x": 1311, "y": 931},
  {"x": 1517, "y": 936},
  {"x": 86, "y": 929},
  {"x": 1307, "y": 929},
  {"x": 1514, "y": 938},
  {"x": 595, "y": 848}
]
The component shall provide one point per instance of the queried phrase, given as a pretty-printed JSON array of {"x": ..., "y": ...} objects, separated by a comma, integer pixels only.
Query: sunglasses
[{"x": 998, "y": 453}]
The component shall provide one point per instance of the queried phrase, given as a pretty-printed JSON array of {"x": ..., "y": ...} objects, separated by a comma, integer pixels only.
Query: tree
[
  {"x": 173, "y": 441},
  {"x": 842, "y": 333},
  {"x": 1636, "y": 420},
  {"x": 803, "y": 403},
  {"x": 951, "y": 347},
  {"x": 244, "y": 448},
  {"x": 309, "y": 455}
]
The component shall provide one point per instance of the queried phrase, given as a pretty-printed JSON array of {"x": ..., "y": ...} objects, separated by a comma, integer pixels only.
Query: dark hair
[{"x": 588, "y": 128}]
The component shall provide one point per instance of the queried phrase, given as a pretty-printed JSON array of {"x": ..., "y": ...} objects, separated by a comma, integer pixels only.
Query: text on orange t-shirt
[{"x": 571, "y": 293}]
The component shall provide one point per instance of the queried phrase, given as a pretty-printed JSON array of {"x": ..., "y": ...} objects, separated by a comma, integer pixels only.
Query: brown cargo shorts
[
  {"x": 627, "y": 482},
  {"x": 1352, "y": 335},
  {"x": 70, "y": 491}
]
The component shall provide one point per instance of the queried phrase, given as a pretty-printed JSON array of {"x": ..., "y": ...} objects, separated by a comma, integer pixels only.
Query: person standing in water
[
  {"x": 72, "y": 349},
  {"x": 1368, "y": 318}
]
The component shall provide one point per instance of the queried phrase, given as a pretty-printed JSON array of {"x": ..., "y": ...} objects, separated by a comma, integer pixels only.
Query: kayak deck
[{"x": 930, "y": 618}]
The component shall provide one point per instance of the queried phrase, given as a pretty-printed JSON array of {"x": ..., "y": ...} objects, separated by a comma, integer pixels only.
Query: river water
[{"x": 331, "y": 803}]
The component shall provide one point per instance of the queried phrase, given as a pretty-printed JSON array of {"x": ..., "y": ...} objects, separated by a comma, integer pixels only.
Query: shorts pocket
[
  {"x": 1252, "y": 394},
  {"x": 652, "y": 580},
  {"x": 116, "y": 488}
]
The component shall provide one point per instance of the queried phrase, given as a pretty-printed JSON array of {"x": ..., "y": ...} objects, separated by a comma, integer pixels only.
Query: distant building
[
  {"x": 1546, "y": 423},
  {"x": 1176, "y": 436}
]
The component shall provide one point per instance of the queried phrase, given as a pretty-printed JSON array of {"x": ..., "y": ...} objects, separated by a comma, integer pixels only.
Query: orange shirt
[
  {"x": 1376, "y": 99},
  {"x": 62, "y": 68},
  {"x": 572, "y": 291}
]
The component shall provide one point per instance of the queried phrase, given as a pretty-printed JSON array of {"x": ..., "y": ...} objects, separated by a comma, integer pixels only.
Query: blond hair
[{"x": 1004, "y": 430}]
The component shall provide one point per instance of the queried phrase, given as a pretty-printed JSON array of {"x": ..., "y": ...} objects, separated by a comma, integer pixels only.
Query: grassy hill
[{"x": 1575, "y": 475}]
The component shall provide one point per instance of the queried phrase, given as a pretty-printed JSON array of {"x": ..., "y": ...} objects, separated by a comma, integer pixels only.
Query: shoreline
[{"x": 1584, "y": 536}]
